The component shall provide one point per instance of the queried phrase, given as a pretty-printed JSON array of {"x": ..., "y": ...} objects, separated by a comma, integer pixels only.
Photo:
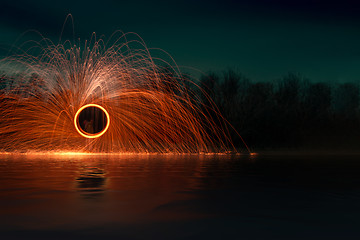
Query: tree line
[{"x": 291, "y": 112}]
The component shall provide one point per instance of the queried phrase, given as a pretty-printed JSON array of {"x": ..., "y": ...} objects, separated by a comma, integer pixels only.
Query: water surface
[{"x": 179, "y": 197}]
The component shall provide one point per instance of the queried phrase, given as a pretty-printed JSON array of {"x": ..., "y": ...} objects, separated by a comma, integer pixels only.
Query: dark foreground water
[{"x": 180, "y": 197}]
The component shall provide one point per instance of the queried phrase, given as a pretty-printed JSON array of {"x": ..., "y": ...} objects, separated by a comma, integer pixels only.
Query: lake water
[{"x": 180, "y": 197}]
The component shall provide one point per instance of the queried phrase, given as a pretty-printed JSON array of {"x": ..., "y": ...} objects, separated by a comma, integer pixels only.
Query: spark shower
[{"x": 98, "y": 96}]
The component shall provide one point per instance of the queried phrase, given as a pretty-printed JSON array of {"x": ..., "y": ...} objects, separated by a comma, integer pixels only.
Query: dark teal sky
[{"x": 261, "y": 38}]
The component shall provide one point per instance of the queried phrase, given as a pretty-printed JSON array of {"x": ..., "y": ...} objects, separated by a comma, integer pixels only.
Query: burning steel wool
[{"x": 92, "y": 97}]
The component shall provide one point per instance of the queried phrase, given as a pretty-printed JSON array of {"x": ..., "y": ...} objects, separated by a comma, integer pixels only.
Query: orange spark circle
[{"x": 90, "y": 135}]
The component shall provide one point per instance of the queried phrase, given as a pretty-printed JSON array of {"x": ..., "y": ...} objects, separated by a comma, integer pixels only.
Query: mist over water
[{"x": 179, "y": 197}]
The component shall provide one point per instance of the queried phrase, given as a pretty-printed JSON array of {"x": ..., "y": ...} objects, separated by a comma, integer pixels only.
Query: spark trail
[{"x": 151, "y": 108}]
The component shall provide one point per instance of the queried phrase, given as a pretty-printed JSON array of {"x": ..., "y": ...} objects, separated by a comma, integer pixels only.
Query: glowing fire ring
[{"x": 90, "y": 135}]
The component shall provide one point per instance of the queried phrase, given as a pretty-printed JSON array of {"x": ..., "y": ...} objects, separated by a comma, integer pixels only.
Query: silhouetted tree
[
  {"x": 210, "y": 92},
  {"x": 259, "y": 104},
  {"x": 346, "y": 99},
  {"x": 318, "y": 100}
]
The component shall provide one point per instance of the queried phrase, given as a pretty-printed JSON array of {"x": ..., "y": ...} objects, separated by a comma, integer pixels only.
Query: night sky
[{"x": 263, "y": 39}]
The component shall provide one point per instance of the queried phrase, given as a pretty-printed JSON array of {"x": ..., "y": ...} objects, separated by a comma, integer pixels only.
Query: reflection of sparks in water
[
  {"x": 152, "y": 108},
  {"x": 91, "y": 182}
]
